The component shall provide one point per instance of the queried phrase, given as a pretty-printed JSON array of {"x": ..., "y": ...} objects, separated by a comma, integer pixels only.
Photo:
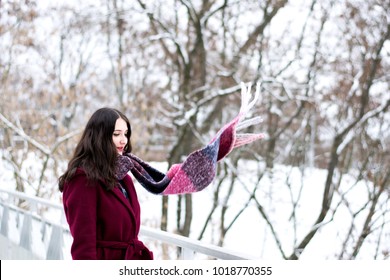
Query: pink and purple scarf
[{"x": 198, "y": 170}]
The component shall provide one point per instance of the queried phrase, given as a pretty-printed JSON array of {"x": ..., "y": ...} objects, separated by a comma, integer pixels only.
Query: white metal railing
[{"x": 35, "y": 228}]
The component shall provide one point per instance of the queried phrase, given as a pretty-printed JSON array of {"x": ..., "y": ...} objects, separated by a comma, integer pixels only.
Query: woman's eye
[{"x": 116, "y": 134}]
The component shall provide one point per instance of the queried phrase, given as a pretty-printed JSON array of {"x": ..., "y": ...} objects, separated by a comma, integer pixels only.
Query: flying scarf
[{"x": 198, "y": 170}]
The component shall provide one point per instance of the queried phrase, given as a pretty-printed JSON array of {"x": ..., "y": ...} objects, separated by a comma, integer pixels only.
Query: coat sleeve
[{"x": 80, "y": 200}]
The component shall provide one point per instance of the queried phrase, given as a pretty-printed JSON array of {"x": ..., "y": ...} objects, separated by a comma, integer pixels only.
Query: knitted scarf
[{"x": 198, "y": 170}]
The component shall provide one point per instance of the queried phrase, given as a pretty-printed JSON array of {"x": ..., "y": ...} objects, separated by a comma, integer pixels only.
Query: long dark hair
[{"x": 96, "y": 153}]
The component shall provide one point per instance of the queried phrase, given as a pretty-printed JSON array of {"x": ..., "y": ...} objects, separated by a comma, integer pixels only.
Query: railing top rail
[
  {"x": 193, "y": 244},
  {"x": 32, "y": 198}
]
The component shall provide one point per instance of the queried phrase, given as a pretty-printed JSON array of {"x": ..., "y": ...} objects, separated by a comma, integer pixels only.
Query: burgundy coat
[{"x": 103, "y": 223}]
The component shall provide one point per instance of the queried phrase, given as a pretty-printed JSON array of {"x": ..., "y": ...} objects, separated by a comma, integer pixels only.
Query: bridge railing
[{"x": 35, "y": 228}]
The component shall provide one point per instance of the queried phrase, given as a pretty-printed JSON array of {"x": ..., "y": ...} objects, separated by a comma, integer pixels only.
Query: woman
[
  {"x": 100, "y": 202},
  {"x": 103, "y": 213}
]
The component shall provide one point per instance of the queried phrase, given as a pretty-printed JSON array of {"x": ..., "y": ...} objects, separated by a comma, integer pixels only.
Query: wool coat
[{"x": 104, "y": 223}]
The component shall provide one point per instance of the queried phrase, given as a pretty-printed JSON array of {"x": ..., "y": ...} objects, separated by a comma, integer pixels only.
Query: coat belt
[{"x": 135, "y": 249}]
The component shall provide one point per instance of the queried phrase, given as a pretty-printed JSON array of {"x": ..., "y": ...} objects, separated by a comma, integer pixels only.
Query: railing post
[
  {"x": 4, "y": 221},
  {"x": 54, "y": 251},
  {"x": 26, "y": 234}
]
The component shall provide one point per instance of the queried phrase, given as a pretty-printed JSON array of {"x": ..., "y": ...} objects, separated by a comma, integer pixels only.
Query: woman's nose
[{"x": 123, "y": 139}]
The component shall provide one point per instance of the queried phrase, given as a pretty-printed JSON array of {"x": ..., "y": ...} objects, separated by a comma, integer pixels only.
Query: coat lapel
[
  {"x": 120, "y": 196},
  {"x": 133, "y": 210}
]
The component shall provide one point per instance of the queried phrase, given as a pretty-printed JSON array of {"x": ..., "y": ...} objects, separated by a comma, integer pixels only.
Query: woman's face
[{"x": 120, "y": 135}]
